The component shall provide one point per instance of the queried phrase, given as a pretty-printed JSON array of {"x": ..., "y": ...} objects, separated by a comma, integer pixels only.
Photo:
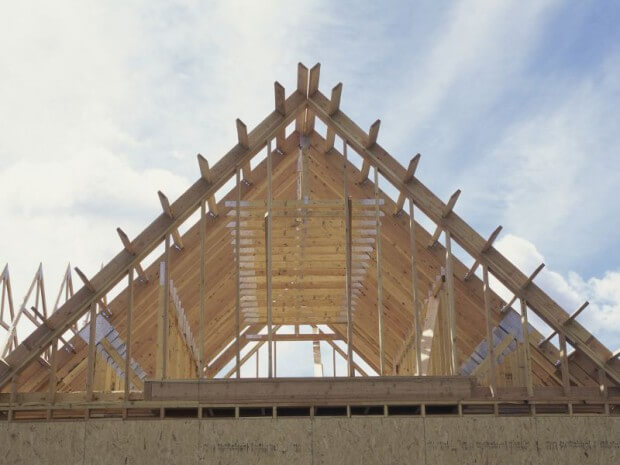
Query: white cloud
[{"x": 602, "y": 317}]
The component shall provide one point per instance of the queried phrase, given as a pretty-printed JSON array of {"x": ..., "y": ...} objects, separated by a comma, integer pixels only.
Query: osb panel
[
  {"x": 368, "y": 440},
  {"x": 481, "y": 440},
  {"x": 258, "y": 441},
  {"x": 142, "y": 442},
  {"x": 45, "y": 443},
  {"x": 378, "y": 440},
  {"x": 579, "y": 440}
]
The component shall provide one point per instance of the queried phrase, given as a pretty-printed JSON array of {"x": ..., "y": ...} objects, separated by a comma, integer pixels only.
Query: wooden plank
[
  {"x": 203, "y": 304},
  {"x": 147, "y": 240},
  {"x": 322, "y": 391},
  {"x": 428, "y": 333},
  {"x": 451, "y": 310},
  {"x": 238, "y": 274},
  {"x": 302, "y": 88},
  {"x": 334, "y": 106},
  {"x": 415, "y": 301},
  {"x": 529, "y": 281},
  {"x": 489, "y": 324},
  {"x": 280, "y": 99},
  {"x": 564, "y": 365},
  {"x": 92, "y": 333},
  {"x": 444, "y": 214},
  {"x": 526, "y": 349},
  {"x": 205, "y": 172},
  {"x": 128, "y": 332},
  {"x": 379, "y": 279},
  {"x": 466, "y": 237},
  {"x": 348, "y": 235},
  {"x": 167, "y": 208},
  {"x": 487, "y": 246},
  {"x": 411, "y": 169},
  {"x": 129, "y": 248},
  {"x": 268, "y": 266}
]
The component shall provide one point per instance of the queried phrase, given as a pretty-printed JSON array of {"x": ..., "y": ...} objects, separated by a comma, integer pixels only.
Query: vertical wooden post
[
  {"x": 275, "y": 359},
  {"x": 379, "y": 276},
  {"x": 203, "y": 277},
  {"x": 237, "y": 265},
  {"x": 257, "y": 363},
  {"x": 527, "y": 363},
  {"x": 490, "y": 341},
  {"x": 451, "y": 310},
  {"x": 334, "y": 360},
  {"x": 128, "y": 338},
  {"x": 12, "y": 397},
  {"x": 53, "y": 381},
  {"x": 348, "y": 238},
  {"x": 166, "y": 328},
  {"x": 92, "y": 334},
  {"x": 268, "y": 260},
  {"x": 564, "y": 365},
  {"x": 414, "y": 291}
]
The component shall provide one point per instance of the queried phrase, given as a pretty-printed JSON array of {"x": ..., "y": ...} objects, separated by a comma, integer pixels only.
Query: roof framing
[{"x": 302, "y": 106}]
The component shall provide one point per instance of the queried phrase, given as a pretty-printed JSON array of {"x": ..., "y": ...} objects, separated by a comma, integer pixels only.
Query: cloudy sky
[{"x": 514, "y": 102}]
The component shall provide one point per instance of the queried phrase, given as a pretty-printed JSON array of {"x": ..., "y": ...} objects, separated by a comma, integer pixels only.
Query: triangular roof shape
[{"x": 210, "y": 315}]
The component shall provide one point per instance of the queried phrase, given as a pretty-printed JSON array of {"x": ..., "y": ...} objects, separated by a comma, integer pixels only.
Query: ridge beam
[
  {"x": 243, "y": 141},
  {"x": 518, "y": 294},
  {"x": 205, "y": 172},
  {"x": 487, "y": 246},
  {"x": 165, "y": 205},
  {"x": 334, "y": 106},
  {"x": 411, "y": 169},
  {"x": 371, "y": 139},
  {"x": 574, "y": 315},
  {"x": 129, "y": 248},
  {"x": 444, "y": 214}
]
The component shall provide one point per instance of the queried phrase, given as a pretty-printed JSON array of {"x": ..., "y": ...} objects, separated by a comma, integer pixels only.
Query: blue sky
[{"x": 514, "y": 102}]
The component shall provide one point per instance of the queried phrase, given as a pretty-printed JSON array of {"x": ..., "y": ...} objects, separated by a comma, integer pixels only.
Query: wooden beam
[
  {"x": 293, "y": 337},
  {"x": 489, "y": 324},
  {"x": 128, "y": 337},
  {"x": 205, "y": 172},
  {"x": 487, "y": 246},
  {"x": 87, "y": 284},
  {"x": 268, "y": 266},
  {"x": 341, "y": 352},
  {"x": 302, "y": 88},
  {"x": 243, "y": 141},
  {"x": 147, "y": 240},
  {"x": 526, "y": 349},
  {"x": 92, "y": 334},
  {"x": 564, "y": 365},
  {"x": 168, "y": 211},
  {"x": 451, "y": 310},
  {"x": 518, "y": 294},
  {"x": 428, "y": 333},
  {"x": 447, "y": 209},
  {"x": 411, "y": 169},
  {"x": 280, "y": 99},
  {"x": 572, "y": 317},
  {"x": 334, "y": 106},
  {"x": 415, "y": 301},
  {"x": 129, "y": 248},
  {"x": 203, "y": 304},
  {"x": 371, "y": 139},
  {"x": 379, "y": 277},
  {"x": 348, "y": 240},
  {"x": 238, "y": 274}
]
